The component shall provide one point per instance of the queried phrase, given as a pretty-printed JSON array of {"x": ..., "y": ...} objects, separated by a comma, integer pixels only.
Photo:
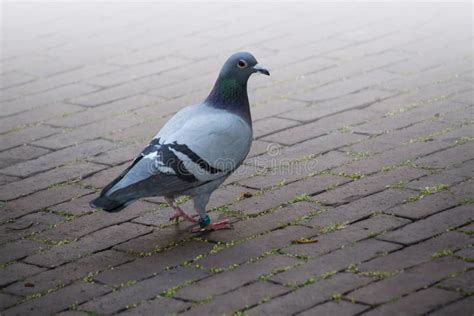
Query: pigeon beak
[{"x": 261, "y": 70}]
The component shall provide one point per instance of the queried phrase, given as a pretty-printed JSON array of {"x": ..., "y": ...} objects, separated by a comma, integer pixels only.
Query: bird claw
[
  {"x": 176, "y": 216},
  {"x": 223, "y": 224}
]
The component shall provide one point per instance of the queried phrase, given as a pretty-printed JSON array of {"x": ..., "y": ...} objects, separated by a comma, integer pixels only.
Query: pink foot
[
  {"x": 223, "y": 224},
  {"x": 179, "y": 213}
]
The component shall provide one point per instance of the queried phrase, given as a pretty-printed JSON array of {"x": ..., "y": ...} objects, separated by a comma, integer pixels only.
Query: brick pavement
[{"x": 363, "y": 141}]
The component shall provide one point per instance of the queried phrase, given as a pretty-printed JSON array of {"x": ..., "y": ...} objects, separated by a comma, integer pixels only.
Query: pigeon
[{"x": 195, "y": 151}]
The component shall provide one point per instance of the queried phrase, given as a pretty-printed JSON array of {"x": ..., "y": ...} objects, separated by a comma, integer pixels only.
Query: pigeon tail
[{"x": 108, "y": 205}]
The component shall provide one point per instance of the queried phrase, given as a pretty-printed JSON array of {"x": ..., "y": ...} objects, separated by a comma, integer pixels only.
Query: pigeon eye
[{"x": 242, "y": 63}]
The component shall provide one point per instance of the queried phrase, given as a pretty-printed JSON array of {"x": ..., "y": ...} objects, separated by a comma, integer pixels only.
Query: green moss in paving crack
[
  {"x": 397, "y": 186},
  {"x": 327, "y": 275},
  {"x": 332, "y": 228},
  {"x": 89, "y": 278},
  {"x": 352, "y": 268},
  {"x": 379, "y": 275},
  {"x": 172, "y": 291},
  {"x": 7, "y": 264},
  {"x": 353, "y": 176},
  {"x": 468, "y": 201},
  {"x": 301, "y": 198},
  {"x": 124, "y": 285},
  {"x": 336, "y": 296},
  {"x": 463, "y": 140},
  {"x": 359, "y": 155},
  {"x": 425, "y": 192},
  {"x": 442, "y": 253}
]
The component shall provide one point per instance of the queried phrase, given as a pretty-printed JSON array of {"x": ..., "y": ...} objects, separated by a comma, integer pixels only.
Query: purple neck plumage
[{"x": 231, "y": 95}]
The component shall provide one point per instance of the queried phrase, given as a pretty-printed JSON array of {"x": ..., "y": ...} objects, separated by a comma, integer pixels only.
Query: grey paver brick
[
  {"x": 57, "y": 301},
  {"x": 432, "y": 225},
  {"x": 334, "y": 261},
  {"x": 145, "y": 289},
  {"x": 47, "y": 179},
  {"x": 310, "y": 295},
  {"x": 238, "y": 299},
  {"x": 462, "y": 307},
  {"x": 162, "y": 304},
  {"x": 416, "y": 254},
  {"x": 148, "y": 266},
  {"x": 463, "y": 281},
  {"x": 341, "y": 308},
  {"x": 91, "y": 243},
  {"x": 17, "y": 271},
  {"x": 84, "y": 268},
  {"x": 418, "y": 303},
  {"x": 229, "y": 280},
  {"x": 407, "y": 281}
]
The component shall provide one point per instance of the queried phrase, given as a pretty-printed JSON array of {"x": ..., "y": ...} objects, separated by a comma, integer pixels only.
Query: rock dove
[{"x": 195, "y": 151}]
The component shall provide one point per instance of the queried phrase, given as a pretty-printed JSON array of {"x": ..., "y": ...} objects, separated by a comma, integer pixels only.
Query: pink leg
[
  {"x": 178, "y": 212},
  {"x": 223, "y": 224}
]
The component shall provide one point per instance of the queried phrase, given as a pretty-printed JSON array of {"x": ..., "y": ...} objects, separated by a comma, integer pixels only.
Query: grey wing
[{"x": 157, "y": 171}]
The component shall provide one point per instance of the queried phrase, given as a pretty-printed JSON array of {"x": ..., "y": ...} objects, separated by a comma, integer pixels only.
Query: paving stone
[
  {"x": 45, "y": 99},
  {"x": 341, "y": 308},
  {"x": 461, "y": 307},
  {"x": 457, "y": 154},
  {"x": 92, "y": 115},
  {"x": 368, "y": 185},
  {"x": 271, "y": 125},
  {"x": 57, "y": 301},
  {"x": 40, "y": 200},
  {"x": 287, "y": 193},
  {"x": 146, "y": 289},
  {"x": 227, "y": 281},
  {"x": 76, "y": 206},
  {"x": 321, "y": 127},
  {"x": 18, "y": 249},
  {"x": 418, "y": 303},
  {"x": 66, "y": 274},
  {"x": 463, "y": 281},
  {"x": 19, "y": 154},
  {"x": 119, "y": 155},
  {"x": 416, "y": 254},
  {"x": 352, "y": 233},
  {"x": 47, "y": 179},
  {"x": 466, "y": 253},
  {"x": 17, "y": 271},
  {"x": 255, "y": 247},
  {"x": 7, "y": 300},
  {"x": 58, "y": 158},
  {"x": 148, "y": 266},
  {"x": 353, "y": 101},
  {"x": 90, "y": 223},
  {"x": 91, "y": 131},
  {"x": 359, "y": 209},
  {"x": 407, "y": 281},
  {"x": 310, "y": 295},
  {"x": 393, "y": 157},
  {"x": 310, "y": 148},
  {"x": 427, "y": 206},
  {"x": 25, "y": 136},
  {"x": 334, "y": 261},
  {"x": 91, "y": 243},
  {"x": 7, "y": 179},
  {"x": 29, "y": 224},
  {"x": 245, "y": 296},
  {"x": 431, "y": 226},
  {"x": 251, "y": 227},
  {"x": 161, "y": 304}
]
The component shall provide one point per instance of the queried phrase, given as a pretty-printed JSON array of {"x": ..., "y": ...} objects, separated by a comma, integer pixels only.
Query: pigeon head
[
  {"x": 240, "y": 66},
  {"x": 230, "y": 89}
]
